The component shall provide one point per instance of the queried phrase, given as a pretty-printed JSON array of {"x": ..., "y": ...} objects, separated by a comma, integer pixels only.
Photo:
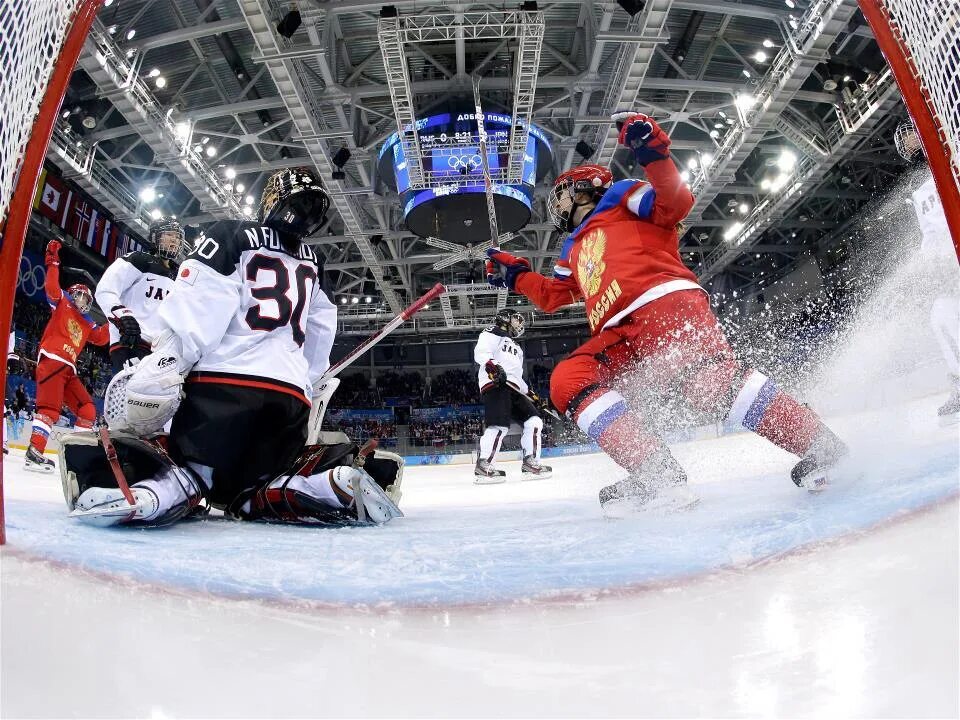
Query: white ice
[{"x": 515, "y": 600}]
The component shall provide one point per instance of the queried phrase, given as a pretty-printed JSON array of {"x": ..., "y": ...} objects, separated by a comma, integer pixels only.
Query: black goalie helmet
[
  {"x": 167, "y": 237},
  {"x": 512, "y": 323},
  {"x": 294, "y": 202}
]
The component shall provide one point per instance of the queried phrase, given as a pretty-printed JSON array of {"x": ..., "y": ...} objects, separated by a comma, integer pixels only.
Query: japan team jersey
[
  {"x": 137, "y": 281},
  {"x": 935, "y": 238},
  {"x": 624, "y": 255},
  {"x": 494, "y": 345},
  {"x": 249, "y": 312}
]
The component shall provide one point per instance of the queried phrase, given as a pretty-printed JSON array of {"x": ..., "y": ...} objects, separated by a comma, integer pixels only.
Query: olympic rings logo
[
  {"x": 472, "y": 162},
  {"x": 30, "y": 278}
]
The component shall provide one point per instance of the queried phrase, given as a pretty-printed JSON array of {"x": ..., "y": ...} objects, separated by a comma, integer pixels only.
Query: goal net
[
  {"x": 921, "y": 41},
  {"x": 31, "y": 35}
]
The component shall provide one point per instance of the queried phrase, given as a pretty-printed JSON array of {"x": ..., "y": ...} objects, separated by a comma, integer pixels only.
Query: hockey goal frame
[
  {"x": 14, "y": 227},
  {"x": 923, "y": 110}
]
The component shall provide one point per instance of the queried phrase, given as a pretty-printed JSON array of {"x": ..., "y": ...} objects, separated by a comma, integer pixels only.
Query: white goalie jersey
[
  {"x": 503, "y": 351},
  {"x": 935, "y": 240},
  {"x": 249, "y": 312}
]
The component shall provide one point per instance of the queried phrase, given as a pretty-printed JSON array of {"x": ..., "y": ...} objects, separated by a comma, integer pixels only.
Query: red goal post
[
  {"x": 920, "y": 40},
  {"x": 40, "y": 41}
]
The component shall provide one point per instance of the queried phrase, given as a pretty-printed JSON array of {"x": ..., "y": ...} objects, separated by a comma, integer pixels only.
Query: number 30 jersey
[{"x": 249, "y": 312}]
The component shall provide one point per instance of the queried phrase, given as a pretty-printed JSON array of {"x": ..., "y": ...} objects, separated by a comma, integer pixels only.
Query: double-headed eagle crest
[{"x": 590, "y": 264}]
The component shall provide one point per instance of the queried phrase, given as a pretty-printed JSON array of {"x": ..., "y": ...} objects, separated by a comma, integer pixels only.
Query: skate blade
[
  {"x": 485, "y": 480},
  {"x": 816, "y": 484},
  {"x": 667, "y": 502},
  {"x": 536, "y": 476},
  {"x": 40, "y": 469}
]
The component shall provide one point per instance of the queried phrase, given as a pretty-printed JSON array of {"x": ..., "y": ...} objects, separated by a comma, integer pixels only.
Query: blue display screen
[{"x": 453, "y": 160}]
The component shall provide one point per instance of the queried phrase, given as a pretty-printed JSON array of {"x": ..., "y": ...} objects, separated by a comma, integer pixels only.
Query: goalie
[{"x": 242, "y": 340}]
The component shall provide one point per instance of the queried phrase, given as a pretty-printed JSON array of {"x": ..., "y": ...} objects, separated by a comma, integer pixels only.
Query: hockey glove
[
  {"x": 641, "y": 134},
  {"x": 496, "y": 373},
  {"x": 127, "y": 325},
  {"x": 513, "y": 267},
  {"x": 52, "y": 256}
]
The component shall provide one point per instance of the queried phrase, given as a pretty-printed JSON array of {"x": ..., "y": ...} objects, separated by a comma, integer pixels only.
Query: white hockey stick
[{"x": 326, "y": 385}]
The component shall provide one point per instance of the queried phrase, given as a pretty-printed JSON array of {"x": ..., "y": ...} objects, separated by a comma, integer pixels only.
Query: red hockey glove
[
  {"x": 513, "y": 267},
  {"x": 496, "y": 373},
  {"x": 53, "y": 253},
  {"x": 641, "y": 134}
]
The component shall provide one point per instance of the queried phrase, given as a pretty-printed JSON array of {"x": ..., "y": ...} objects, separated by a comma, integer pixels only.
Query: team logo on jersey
[
  {"x": 590, "y": 264},
  {"x": 75, "y": 331}
]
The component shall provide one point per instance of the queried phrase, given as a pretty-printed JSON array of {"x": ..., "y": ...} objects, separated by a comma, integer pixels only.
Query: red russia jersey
[
  {"x": 68, "y": 330},
  {"x": 625, "y": 254}
]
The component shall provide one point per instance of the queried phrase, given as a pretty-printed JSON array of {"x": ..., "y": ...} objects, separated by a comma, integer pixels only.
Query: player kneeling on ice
[
  {"x": 651, "y": 322},
  {"x": 242, "y": 339},
  {"x": 506, "y": 399}
]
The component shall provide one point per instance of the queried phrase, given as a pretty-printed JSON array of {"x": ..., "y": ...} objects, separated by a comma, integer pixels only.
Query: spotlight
[
  {"x": 338, "y": 175},
  {"x": 211, "y": 151},
  {"x": 289, "y": 24},
  {"x": 632, "y": 6},
  {"x": 160, "y": 82},
  {"x": 341, "y": 158},
  {"x": 584, "y": 150},
  {"x": 343, "y": 301},
  {"x": 230, "y": 173},
  {"x": 248, "y": 211},
  {"x": 354, "y": 301},
  {"x": 154, "y": 73},
  {"x": 241, "y": 187},
  {"x": 368, "y": 299},
  {"x": 131, "y": 34},
  {"x": 248, "y": 200},
  {"x": 156, "y": 214},
  {"x": 148, "y": 194}
]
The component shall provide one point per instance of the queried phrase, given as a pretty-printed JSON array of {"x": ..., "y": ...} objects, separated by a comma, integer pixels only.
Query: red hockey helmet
[
  {"x": 81, "y": 296},
  {"x": 593, "y": 180}
]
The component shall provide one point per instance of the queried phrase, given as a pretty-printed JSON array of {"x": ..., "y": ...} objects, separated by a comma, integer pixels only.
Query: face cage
[
  {"x": 517, "y": 325},
  {"x": 167, "y": 253},
  {"x": 559, "y": 217},
  {"x": 82, "y": 299}
]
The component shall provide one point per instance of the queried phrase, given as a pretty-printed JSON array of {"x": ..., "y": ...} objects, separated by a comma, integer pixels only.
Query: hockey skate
[
  {"x": 108, "y": 506},
  {"x": 949, "y": 412},
  {"x": 533, "y": 469},
  {"x": 825, "y": 452},
  {"x": 486, "y": 474},
  {"x": 34, "y": 461},
  {"x": 660, "y": 484}
]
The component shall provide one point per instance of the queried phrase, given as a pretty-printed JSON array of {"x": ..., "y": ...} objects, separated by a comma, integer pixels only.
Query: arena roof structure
[{"x": 781, "y": 112}]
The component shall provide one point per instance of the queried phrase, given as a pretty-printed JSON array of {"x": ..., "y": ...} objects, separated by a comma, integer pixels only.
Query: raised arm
[
  {"x": 548, "y": 294},
  {"x": 51, "y": 284}
]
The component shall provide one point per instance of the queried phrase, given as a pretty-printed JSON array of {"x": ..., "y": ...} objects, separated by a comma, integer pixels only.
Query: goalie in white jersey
[
  {"x": 243, "y": 337},
  {"x": 506, "y": 399},
  {"x": 130, "y": 291},
  {"x": 937, "y": 247}
]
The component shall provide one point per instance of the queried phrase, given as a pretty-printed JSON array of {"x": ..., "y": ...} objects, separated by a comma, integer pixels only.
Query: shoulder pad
[
  {"x": 146, "y": 263},
  {"x": 220, "y": 246}
]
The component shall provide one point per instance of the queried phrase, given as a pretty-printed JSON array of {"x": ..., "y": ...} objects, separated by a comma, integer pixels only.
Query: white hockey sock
[
  {"x": 490, "y": 442},
  {"x": 532, "y": 438}
]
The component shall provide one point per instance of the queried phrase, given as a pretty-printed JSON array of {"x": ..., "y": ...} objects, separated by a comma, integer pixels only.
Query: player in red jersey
[
  {"x": 67, "y": 333},
  {"x": 651, "y": 323}
]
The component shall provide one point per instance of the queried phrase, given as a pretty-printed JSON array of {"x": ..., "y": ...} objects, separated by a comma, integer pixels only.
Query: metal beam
[{"x": 191, "y": 33}]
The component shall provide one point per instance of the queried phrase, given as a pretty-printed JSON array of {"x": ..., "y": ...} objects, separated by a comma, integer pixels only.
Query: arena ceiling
[{"x": 780, "y": 111}]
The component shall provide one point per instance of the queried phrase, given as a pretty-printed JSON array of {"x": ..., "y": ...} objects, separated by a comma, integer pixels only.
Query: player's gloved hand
[
  {"x": 52, "y": 256},
  {"x": 513, "y": 267},
  {"x": 641, "y": 134},
  {"x": 496, "y": 373},
  {"x": 127, "y": 325}
]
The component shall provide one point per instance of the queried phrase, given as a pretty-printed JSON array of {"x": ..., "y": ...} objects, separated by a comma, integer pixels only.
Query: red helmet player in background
[
  {"x": 651, "y": 324},
  {"x": 67, "y": 333}
]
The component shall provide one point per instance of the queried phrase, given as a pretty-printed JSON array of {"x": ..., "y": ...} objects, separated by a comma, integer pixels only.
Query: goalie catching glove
[{"x": 143, "y": 398}]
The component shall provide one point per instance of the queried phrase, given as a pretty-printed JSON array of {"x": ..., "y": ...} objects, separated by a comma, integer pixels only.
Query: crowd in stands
[
  {"x": 438, "y": 433},
  {"x": 360, "y": 430}
]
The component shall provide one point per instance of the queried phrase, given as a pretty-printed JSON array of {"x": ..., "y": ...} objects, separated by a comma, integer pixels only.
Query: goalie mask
[
  {"x": 589, "y": 180},
  {"x": 511, "y": 323},
  {"x": 81, "y": 297},
  {"x": 907, "y": 141},
  {"x": 168, "y": 239},
  {"x": 294, "y": 202}
]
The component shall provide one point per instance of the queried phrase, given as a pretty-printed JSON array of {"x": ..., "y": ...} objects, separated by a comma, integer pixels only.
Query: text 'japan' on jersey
[{"x": 250, "y": 312}]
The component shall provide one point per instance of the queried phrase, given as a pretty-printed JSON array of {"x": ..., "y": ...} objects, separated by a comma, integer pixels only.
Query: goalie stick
[{"x": 328, "y": 383}]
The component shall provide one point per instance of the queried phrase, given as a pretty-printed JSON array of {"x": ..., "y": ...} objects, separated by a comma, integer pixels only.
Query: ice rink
[{"x": 517, "y": 599}]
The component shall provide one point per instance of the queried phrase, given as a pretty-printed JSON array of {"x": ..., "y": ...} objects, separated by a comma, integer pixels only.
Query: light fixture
[
  {"x": 787, "y": 161},
  {"x": 131, "y": 52},
  {"x": 692, "y": 163},
  {"x": 182, "y": 130},
  {"x": 131, "y": 34},
  {"x": 745, "y": 101},
  {"x": 89, "y": 122},
  {"x": 426, "y": 307},
  {"x": 198, "y": 148},
  {"x": 685, "y": 176},
  {"x": 706, "y": 159},
  {"x": 354, "y": 301},
  {"x": 714, "y": 134},
  {"x": 722, "y": 114},
  {"x": 160, "y": 82},
  {"x": 248, "y": 210},
  {"x": 112, "y": 29},
  {"x": 343, "y": 301},
  {"x": 760, "y": 56},
  {"x": 248, "y": 199},
  {"x": 289, "y": 24},
  {"x": 230, "y": 173},
  {"x": 156, "y": 214},
  {"x": 765, "y": 184},
  {"x": 154, "y": 73},
  {"x": 731, "y": 232},
  {"x": 767, "y": 43},
  {"x": 228, "y": 187},
  {"x": 746, "y": 73},
  {"x": 744, "y": 208},
  {"x": 241, "y": 187},
  {"x": 790, "y": 4},
  {"x": 65, "y": 114},
  {"x": 204, "y": 140},
  {"x": 107, "y": 3},
  {"x": 148, "y": 194},
  {"x": 793, "y": 23},
  {"x": 211, "y": 151},
  {"x": 368, "y": 299},
  {"x": 584, "y": 150}
]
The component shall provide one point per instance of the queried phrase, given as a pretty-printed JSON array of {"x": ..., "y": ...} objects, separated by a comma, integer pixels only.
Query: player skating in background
[
  {"x": 651, "y": 323},
  {"x": 131, "y": 289},
  {"x": 245, "y": 333},
  {"x": 64, "y": 338},
  {"x": 505, "y": 399},
  {"x": 936, "y": 246}
]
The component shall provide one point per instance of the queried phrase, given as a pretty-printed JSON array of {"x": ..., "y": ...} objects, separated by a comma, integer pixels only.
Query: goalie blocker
[{"x": 320, "y": 487}]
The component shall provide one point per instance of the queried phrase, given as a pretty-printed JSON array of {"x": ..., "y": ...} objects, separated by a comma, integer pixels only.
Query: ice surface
[{"x": 517, "y": 599}]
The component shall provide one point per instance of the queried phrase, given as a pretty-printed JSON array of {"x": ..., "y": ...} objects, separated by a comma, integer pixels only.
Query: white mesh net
[
  {"x": 31, "y": 35},
  {"x": 930, "y": 30}
]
